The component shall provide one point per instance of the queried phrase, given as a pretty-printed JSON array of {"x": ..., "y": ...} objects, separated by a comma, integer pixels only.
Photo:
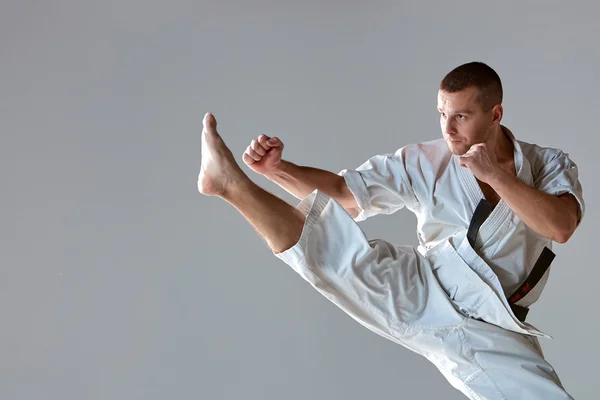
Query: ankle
[{"x": 237, "y": 189}]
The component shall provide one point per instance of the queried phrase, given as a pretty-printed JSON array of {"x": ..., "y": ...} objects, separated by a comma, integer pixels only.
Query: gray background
[{"x": 119, "y": 280}]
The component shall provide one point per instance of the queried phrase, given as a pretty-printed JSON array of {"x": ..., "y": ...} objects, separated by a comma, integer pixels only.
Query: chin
[{"x": 457, "y": 148}]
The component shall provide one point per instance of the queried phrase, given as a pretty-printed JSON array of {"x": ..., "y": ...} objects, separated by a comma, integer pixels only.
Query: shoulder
[
  {"x": 430, "y": 153},
  {"x": 535, "y": 151},
  {"x": 541, "y": 157}
]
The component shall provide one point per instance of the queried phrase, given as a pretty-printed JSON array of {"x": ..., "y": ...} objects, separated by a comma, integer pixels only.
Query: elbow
[
  {"x": 563, "y": 235},
  {"x": 567, "y": 222},
  {"x": 561, "y": 238},
  {"x": 345, "y": 197}
]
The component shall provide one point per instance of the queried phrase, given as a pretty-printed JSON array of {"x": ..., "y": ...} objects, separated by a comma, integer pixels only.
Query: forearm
[
  {"x": 546, "y": 214},
  {"x": 300, "y": 181}
]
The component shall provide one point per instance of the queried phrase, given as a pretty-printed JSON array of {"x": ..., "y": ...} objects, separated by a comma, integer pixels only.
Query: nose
[{"x": 448, "y": 126}]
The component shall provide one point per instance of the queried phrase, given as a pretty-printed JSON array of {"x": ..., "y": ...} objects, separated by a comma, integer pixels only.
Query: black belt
[{"x": 483, "y": 210}]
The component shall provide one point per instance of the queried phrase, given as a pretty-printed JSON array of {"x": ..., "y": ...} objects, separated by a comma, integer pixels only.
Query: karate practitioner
[{"x": 488, "y": 206}]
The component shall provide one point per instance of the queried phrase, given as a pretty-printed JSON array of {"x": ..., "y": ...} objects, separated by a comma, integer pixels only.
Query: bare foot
[{"x": 218, "y": 172}]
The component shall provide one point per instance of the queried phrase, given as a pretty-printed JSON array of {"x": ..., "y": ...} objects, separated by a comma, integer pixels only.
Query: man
[{"x": 488, "y": 208}]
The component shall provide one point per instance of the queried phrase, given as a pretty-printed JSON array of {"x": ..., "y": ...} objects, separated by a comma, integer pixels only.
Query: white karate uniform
[{"x": 444, "y": 299}]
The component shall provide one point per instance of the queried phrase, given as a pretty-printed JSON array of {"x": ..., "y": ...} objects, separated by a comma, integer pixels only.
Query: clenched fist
[
  {"x": 264, "y": 154},
  {"x": 482, "y": 162}
]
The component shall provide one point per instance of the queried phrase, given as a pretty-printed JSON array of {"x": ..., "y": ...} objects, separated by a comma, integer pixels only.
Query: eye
[{"x": 460, "y": 116}]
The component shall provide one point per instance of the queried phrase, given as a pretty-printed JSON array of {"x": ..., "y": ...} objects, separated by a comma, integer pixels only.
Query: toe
[{"x": 210, "y": 123}]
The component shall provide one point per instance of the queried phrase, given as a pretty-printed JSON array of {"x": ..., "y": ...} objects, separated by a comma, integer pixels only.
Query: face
[{"x": 464, "y": 122}]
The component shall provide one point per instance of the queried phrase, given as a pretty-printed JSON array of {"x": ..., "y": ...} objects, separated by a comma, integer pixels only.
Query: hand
[
  {"x": 264, "y": 154},
  {"x": 481, "y": 162}
]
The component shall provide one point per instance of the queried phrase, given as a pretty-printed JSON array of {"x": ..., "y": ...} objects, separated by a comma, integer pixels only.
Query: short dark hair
[{"x": 475, "y": 74}]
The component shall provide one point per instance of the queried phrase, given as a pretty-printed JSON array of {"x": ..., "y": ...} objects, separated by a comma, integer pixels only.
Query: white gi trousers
[{"x": 394, "y": 291}]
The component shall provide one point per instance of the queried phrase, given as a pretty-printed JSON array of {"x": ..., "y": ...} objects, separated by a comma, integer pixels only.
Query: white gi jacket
[{"x": 427, "y": 179}]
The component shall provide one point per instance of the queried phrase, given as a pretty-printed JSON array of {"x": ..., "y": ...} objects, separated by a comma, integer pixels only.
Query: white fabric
[
  {"x": 428, "y": 180},
  {"x": 444, "y": 300},
  {"x": 394, "y": 292}
]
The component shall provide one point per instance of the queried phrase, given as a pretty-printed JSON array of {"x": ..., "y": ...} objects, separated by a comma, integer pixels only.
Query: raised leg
[{"x": 277, "y": 222}]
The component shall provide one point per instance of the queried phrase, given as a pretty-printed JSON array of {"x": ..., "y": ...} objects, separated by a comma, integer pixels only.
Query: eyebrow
[{"x": 467, "y": 111}]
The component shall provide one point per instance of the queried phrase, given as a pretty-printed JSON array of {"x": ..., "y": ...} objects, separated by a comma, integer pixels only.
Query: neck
[{"x": 501, "y": 145}]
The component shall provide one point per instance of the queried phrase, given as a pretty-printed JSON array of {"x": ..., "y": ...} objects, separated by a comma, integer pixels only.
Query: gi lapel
[{"x": 501, "y": 211}]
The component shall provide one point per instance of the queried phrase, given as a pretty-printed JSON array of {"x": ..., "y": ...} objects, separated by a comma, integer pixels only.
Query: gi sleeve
[
  {"x": 560, "y": 175},
  {"x": 380, "y": 185}
]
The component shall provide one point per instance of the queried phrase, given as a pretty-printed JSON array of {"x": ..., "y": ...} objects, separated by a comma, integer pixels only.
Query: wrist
[
  {"x": 277, "y": 171},
  {"x": 499, "y": 178}
]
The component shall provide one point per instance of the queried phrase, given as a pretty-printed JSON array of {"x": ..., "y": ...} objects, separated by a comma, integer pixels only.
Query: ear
[{"x": 497, "y": 112}]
